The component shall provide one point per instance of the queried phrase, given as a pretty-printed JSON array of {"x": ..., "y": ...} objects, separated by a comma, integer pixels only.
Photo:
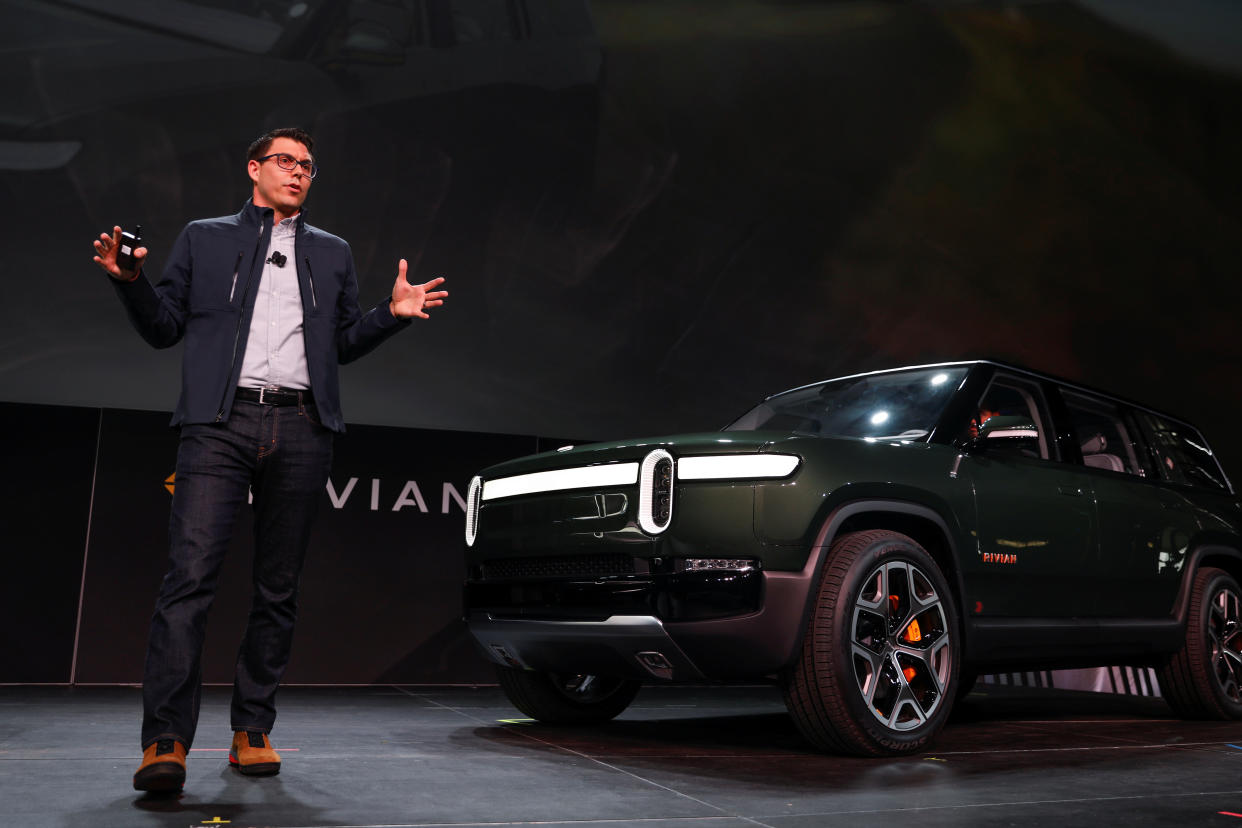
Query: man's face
[{"x": 282, "y": 190}]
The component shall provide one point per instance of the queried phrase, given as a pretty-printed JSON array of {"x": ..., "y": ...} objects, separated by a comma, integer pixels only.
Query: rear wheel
[
  {"x": 567, "y": 698},
  {"x": 880, "y": 655},
  {"x": 1203, "y": 680}
]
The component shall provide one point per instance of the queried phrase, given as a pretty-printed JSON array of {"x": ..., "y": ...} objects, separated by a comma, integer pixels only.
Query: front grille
[{"x": 560, "y": 566}]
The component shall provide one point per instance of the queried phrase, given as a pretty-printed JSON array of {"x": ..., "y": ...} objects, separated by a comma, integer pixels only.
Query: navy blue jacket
[{"x": 206, "y": 296}]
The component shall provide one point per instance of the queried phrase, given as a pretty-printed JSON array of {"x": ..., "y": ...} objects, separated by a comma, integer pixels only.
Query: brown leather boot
[
  {"x": 162, "y": 768},
  {"x": 252, "y": 754}
]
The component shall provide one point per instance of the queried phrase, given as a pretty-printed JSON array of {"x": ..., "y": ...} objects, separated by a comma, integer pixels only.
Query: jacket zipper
[
  {"x": 310, "y": 278},
  {"x": 240, "y": 317}
]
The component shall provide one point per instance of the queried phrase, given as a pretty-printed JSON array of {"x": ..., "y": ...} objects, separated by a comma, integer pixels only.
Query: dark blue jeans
[{"x": 282, "y": 455}]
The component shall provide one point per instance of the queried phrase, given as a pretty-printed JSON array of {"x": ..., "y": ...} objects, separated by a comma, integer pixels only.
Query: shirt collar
[
  {"x": 257, "y": 212},
  {"x": 287, "y": 227}
]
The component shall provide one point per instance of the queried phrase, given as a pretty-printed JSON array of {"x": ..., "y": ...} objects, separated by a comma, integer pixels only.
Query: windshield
[{"x": 902, "y": 405}]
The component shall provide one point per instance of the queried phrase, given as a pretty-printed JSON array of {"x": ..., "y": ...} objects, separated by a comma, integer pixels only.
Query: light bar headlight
[
  {"x": 474, "y": 496},
  {"x": 656, "y": 476},
  {"x": 581, "y": 477},
  {"x": 655, "y": 492},
  {"x": 737, "y": 466}
]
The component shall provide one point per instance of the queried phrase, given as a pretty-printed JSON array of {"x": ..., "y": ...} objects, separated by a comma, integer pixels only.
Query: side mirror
[{"x": 1008, "y": 434}]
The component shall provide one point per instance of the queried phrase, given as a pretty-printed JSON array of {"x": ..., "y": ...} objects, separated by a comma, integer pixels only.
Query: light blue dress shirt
[{"x": 275, "y": 350}]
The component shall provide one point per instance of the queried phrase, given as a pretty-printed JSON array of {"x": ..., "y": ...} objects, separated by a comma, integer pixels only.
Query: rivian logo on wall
[{"x": 409, "y": 495}]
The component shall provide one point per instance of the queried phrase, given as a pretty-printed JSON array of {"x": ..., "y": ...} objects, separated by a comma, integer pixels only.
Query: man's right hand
[{"x": 106, "y": 248}]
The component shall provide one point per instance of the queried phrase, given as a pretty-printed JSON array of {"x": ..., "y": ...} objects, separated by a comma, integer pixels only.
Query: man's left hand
[{"x": 413, "y": 300}]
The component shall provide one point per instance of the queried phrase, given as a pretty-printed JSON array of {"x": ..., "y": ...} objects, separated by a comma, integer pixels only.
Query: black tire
[
  {"x": 1203, "y": 680},
  {"x": 869, "y": 681},
  {"x": 557, "y": 698}
]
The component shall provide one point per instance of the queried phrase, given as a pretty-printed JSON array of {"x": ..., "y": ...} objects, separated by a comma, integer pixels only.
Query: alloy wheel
[
  {"x": 1225, "y": 642},
  {"x": 585, "y": 688},
  {"x": 900, "y": 646}
]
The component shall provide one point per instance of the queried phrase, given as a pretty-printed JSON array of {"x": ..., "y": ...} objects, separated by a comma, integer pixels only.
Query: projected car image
[{"x": 873, "y": 543}]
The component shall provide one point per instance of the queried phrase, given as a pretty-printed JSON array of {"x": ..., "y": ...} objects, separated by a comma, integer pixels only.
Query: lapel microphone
[{"x": 277, "y": 259}]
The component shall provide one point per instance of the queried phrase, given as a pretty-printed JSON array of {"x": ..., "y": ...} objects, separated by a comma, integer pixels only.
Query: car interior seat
[{"x": 1094, "y": 455}]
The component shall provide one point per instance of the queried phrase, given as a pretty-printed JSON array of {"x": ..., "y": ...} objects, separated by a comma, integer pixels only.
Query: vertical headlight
[
  {"x": 473, "y": 495},
  {"x": 655, "y": 492}
]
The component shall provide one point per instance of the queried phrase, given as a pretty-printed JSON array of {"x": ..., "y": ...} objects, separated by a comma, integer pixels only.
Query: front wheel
[
  {"x": 879, "y": 662},
  {"x": 567, "y": 698},
  {"x": 1203, "y": 680}
]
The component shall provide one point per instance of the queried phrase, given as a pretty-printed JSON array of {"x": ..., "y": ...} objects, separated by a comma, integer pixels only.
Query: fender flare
[
  {"x": 1194, "y": 562},
  {"x": 817, "y": 559}
]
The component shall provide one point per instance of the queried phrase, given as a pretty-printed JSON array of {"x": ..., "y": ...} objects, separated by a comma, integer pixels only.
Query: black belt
[{"x": 275, "y": 396}]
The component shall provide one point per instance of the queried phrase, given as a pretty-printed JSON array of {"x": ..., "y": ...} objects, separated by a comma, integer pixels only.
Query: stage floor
[{"x": 680, "y": 757}]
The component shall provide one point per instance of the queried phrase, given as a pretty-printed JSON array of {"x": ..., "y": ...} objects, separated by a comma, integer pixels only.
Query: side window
[
  {"x": 1181, "y": 453},
  {"x": 1103, "y": 435},
  {"x": 1012, "y": 419}
]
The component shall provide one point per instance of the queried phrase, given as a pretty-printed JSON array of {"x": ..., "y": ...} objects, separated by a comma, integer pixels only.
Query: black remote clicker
[{"x": 129, "y": 243}]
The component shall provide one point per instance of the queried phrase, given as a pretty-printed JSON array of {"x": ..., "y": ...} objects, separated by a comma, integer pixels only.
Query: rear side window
[
  {"x": 1181, "y": 453},
  {"x": 1105, "y": 435}
]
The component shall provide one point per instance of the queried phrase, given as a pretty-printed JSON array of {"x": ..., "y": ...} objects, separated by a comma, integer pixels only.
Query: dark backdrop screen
[{"x": 650, "y": 214}]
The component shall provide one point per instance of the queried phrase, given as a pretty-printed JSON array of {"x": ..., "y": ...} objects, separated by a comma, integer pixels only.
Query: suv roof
[{"x": 1008, "y": 366}]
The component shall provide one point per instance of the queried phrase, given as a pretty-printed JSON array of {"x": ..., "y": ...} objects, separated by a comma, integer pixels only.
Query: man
[{"x": 267, "y": 306}]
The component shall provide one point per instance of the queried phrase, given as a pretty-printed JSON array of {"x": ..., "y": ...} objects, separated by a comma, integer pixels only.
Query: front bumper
[
  {"x": 631, "y": 646},
  {"x": 668, "y": 596},
  {"x": 623, "y": 634}
]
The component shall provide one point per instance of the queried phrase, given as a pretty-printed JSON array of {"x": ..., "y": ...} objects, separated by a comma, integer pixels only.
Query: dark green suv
[{"x": 872, "y": 542}]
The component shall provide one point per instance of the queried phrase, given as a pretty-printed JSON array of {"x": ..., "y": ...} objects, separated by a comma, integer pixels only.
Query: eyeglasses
[{"x": 287, "y": 163}]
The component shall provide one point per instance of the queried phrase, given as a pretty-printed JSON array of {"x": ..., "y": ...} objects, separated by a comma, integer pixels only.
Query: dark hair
[{"x": 261, "y": 144}]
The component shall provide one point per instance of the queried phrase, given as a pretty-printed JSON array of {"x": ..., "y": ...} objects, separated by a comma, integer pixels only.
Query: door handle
[{"x": 1072, "y": 491}]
